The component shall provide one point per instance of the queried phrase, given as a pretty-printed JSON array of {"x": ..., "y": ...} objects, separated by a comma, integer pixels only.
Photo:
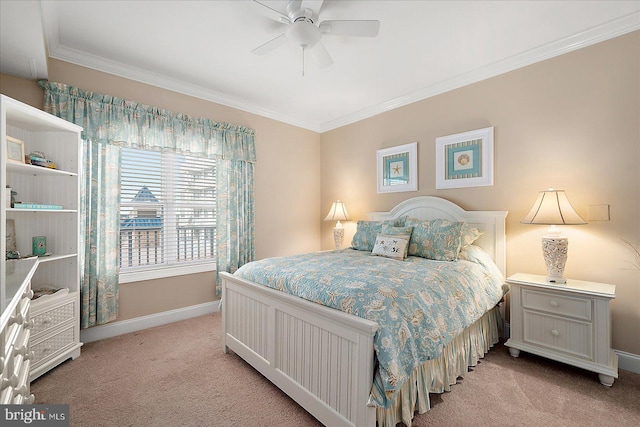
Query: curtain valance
[{"x": 108, "y": 119}]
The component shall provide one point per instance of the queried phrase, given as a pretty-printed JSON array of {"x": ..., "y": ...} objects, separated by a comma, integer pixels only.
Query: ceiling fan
[{"x": 302, "y": 30}]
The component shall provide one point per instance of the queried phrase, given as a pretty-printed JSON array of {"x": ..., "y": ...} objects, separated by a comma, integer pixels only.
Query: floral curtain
[
  {"x": 109, "y": 123},
  {"x": 99, "y": 220},
  {"x": 234, "y": 216}
]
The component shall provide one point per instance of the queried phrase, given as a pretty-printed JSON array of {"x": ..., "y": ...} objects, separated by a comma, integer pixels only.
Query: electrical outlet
[{"x": 599, "y": 213}]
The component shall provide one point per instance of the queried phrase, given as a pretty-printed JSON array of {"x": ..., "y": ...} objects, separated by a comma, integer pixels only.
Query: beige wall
[
  {"x": 287, "y": 181},
  {"x": 572, "y": 122},
  {"x": 26, "y": 91}
]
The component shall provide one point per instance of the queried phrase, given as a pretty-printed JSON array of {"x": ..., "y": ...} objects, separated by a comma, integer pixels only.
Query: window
[{"x": 167, "y": 214}]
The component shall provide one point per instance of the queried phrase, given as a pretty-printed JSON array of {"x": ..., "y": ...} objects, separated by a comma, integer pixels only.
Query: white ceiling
[{"x": 203, "y": 48}]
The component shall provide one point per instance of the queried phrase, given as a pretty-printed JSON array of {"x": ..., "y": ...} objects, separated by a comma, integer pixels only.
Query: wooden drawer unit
[
  {"x": 570, "y": 323},
  {"x": 56, "y": 331},
  {"x": 15, "y": 335}
]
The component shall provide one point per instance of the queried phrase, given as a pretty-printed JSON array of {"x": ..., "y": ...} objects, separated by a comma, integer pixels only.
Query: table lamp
[
  {"x": 338, "y": 212},
  {"x": 552, "y": 208}
]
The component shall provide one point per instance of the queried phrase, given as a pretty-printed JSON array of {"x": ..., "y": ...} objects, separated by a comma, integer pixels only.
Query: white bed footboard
[{"x": 321, "y": 357}]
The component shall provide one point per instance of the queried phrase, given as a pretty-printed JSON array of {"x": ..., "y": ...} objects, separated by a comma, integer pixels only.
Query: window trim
[{"x": 140, "y": 275}]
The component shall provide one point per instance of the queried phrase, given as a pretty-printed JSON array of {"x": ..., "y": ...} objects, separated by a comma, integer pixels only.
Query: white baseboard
[
  {"x": 131, "y": 325},
  {"x": 626, "y": 361}
]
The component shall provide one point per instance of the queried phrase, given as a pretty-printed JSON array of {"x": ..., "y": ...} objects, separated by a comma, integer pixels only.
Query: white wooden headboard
[{"x": 491, "y": 223}]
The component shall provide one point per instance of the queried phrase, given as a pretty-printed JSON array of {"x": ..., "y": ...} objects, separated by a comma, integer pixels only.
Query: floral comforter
[{"x": 419, "y": 304}]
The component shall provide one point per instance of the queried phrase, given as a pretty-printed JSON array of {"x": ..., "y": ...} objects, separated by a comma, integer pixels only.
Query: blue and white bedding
[{"x": 419, "y": 304}]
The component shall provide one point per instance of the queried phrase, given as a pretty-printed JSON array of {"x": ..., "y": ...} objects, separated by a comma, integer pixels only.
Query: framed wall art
[
  {"x": 465, "y": 159},
  {"x": 398, "y": 168},
  {"x": 15, "y": 150}
]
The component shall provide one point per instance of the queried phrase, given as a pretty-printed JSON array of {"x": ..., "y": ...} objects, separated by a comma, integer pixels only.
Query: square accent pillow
[
  {"x": 367, "y": 231},
  {"x": 437, "y": 239},
  {"x": 403, "y": 232},
  {"x": 394, "y": 247}
]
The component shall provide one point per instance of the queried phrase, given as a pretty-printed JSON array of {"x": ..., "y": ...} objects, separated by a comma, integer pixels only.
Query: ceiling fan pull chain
[{"x": 303, "y": 46}]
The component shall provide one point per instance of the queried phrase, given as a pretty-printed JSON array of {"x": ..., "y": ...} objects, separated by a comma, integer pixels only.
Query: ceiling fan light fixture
[{"x": 303, "y": 33}]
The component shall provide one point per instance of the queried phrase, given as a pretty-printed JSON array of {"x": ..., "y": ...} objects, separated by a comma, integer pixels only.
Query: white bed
[{"x": 321, "y": 357}]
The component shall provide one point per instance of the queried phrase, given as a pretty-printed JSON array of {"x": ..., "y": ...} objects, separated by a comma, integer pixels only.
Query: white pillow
[{"x": 394, "y": 247}]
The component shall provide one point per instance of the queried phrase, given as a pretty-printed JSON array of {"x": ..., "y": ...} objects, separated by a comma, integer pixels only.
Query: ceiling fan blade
[
  {"x": 270, "y": 45},
  {"x": 350, "y": 28},
  {"x": 320, "y": 55},
  {"x": 271, "y": 13}
]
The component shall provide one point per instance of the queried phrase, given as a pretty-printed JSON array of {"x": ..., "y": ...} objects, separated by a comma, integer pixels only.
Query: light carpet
[{"x": 177, "y": 375}]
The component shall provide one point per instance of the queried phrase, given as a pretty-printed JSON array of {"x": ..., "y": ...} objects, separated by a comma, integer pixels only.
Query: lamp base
[
  {"x": 338, "y": 236},
  {"x": 554, "y": 250}
]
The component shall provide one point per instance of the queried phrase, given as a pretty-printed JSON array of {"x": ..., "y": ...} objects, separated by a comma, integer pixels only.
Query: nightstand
[{"x": 570, "y": 323}]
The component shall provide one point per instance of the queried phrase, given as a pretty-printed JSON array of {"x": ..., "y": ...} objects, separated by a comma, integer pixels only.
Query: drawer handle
[
  {"x": 30, "y": 324},
  {"x": 20, "y": 350},
  {"x": 28, "y": 294},
  {"x": 18, "y": 318},
  {"x": 13, "y": 381},
  {"x": 555, "y": 332},
  {"x": 23, "y": 390},
  {"x": 30, "y": 356},
  {"x": 553, "y": 303},
  {"x": 29, "y": 400}
]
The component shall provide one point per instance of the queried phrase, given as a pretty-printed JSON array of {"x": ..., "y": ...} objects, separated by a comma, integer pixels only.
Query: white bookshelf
[{"x": 60, "y": 141}]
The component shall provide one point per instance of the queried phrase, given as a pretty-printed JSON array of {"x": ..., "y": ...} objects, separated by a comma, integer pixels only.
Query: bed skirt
[{"x": 438, "y": 375}]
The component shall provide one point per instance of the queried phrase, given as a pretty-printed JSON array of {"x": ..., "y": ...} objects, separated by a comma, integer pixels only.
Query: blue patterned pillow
[
  {"x": 437, "y": 239},
  {"x": 367, "y": 231},
  {"x": 394, "y": 230}
]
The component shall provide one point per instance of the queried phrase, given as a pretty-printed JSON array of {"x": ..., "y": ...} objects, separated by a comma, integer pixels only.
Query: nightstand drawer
[
  {"x": 560, "y": 305},
  {"x": 558, "y": 334}
]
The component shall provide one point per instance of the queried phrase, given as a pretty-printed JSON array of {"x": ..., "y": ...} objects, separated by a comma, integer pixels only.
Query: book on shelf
[{"x": 35, "y": 206}]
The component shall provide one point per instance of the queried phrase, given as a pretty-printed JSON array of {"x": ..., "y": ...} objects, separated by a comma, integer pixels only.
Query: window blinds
[{"x": 167, "y": 210}]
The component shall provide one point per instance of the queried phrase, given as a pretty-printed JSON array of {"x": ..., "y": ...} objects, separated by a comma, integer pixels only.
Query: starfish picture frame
[{"x": 398, "y": 168}]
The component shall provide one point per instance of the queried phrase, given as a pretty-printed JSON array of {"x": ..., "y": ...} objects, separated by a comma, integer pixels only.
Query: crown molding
[
  {"x": 611, "y": 29},
  {"x": 148, "y": 77}
]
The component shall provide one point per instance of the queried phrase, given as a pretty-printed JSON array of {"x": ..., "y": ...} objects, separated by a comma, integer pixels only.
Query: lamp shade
[
  {"x": 552, "y": 207},
  {"x": 338, "y": 212}
]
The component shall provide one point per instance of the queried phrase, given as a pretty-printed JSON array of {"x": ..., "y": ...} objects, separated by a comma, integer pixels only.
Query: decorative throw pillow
[
  {"x": 403, "y": 232},
  {"x": 437, "y": 239},
  {"x": 469, "y": 235},
  {"x": 394, "y": 247},
  {"x": 367, "y": 231}
]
